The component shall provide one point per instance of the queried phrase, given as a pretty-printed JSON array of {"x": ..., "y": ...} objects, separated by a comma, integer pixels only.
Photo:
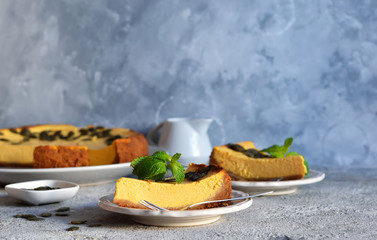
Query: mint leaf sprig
[
  {"x": 156, "y": 166},
  {"x": 282, "y": 151}
]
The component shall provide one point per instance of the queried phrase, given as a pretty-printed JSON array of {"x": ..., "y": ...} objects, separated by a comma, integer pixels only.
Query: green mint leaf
[
  {"x": 157, "y": 170},
  {"x": 306, "y": 165},
  {"x": 287, "y": 144},
  {"x": 155, "y": 167},
  {"x": 162, "y": 156},
  {"x": 177, "y": 170},
  {"x": 175, "y": 157},
  {"x": 136, "y": 161},
  {"x": 275, "y": 151},
  {"x": 159, "y": 177},
  {"x": 292, "y": 154},
  {"x": 279, "y": 151},
  {"x": 305, "y": 162},
  {"x": 150, "y": 168}
]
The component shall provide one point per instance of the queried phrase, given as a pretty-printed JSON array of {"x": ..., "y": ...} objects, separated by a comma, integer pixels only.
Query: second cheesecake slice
[{"x": 262, "y": 168}]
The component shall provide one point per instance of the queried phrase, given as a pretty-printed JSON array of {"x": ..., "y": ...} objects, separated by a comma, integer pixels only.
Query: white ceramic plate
[
  {"x": 24, "y": 191},
  {"x": 279, "y": 187},
  {"x": 81, "y": 175},
  {"x": 175, "y": 218}
]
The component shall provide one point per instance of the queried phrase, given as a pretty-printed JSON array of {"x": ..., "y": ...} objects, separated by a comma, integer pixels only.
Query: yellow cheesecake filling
[
  {"x": 166, "y": 195},
  {"x": 242, "y": 167}
]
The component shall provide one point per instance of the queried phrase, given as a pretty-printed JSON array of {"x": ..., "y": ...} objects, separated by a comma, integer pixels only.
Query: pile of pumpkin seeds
[{"x": 42, "y": 188}]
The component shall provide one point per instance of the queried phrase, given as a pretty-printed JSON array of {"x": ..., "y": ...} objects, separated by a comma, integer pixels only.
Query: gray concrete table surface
[{"x": 343, "y": 206}]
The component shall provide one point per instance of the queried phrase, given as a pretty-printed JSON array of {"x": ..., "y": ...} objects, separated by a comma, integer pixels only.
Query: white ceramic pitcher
[{"x": 187, "y": 136}]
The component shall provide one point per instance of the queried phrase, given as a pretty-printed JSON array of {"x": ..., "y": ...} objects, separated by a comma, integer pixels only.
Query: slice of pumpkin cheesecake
[
  {"x": 201, "y": 183},
  {"x": 243, "y": 161}
]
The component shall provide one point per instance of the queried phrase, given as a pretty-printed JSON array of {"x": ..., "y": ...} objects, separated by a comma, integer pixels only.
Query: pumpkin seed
[
  {"x": 105, "y": 133},
  {"x": 66, "y": 137},
  {"x": 70, "y": 134},
  {"x": 195, "y": 176},
  {"x": 25, "y": 132},
  {"x": 46, "y": 215},
  {"x": 62, "y": 209},
  {"x": 78, "y": 222},
  {"x": 13, "y": 130},
  {"x": 58, "y": 134},
  {"x": 72, "y": 229},
  {"x": 192, "y": 176},
  {"x": 44, "y": 135},
  {"x": 236, "y": 147},
  {"x": 204, "y": 170},
  {"x": 251, "y": 152},
  {"x": 111, "y": 139},
  {"x": 35, "y": 219},
  {"x": 254, "y": 153},
  {"x": 95, "y": 134},
  {"x": 83, "y": 131}
]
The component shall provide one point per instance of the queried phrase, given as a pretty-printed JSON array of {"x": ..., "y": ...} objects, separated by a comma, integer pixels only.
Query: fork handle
[
  {"x": 250, "y": 196},
  {"x": 231, "y": 199}
]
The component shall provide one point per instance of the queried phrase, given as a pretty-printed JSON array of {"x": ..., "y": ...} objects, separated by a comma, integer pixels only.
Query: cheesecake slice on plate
[
  {"x": 252, "y": 165},
  {"x": 202, "y": 183}
]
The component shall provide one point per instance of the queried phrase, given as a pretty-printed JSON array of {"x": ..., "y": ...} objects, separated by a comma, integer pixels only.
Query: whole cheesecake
[
  {"x": 243, "y": 167},
  {"x": 202, "y": 183},
  {"x": 63, "y": 145}
]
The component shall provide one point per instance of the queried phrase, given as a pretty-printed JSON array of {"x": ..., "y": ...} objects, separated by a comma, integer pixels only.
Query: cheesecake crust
[{"x": 60, "y": 157}]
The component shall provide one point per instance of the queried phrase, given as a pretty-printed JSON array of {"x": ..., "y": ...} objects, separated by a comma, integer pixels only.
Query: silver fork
[{"x": 158, "y": 208}]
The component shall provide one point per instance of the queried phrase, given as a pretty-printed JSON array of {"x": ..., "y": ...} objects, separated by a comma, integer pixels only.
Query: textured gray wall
[{"x": 263, "y": 70}]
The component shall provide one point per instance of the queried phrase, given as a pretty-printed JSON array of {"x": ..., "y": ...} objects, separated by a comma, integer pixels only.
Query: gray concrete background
[
  {"x": 343, "y": 206},
  {"x": 263, "y": 70}
]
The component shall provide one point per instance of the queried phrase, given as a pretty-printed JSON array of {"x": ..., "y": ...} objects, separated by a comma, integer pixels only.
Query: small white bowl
[{"x": 24, "y": 191}]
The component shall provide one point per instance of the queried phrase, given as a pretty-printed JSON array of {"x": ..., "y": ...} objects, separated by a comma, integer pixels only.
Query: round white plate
[
  {"x": 175, "y": 218},
  {"x": 24, "y": 191},
  {"x": 81, "y": 175},
  {"x": 279, "y": 187}
]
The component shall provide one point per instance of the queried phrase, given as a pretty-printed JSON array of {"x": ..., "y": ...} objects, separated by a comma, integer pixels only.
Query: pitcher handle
[{"x": 151, "y": 134}]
